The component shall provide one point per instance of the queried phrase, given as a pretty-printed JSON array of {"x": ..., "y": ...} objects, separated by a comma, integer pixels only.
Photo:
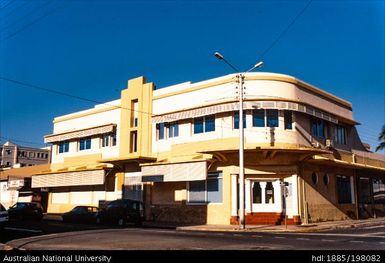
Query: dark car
[
  {"x": 81, "y": 214},
  {"x": 3, "y": 216},
  {"x": 26, "y": 211},
  {"x": 122, "y": 211}
]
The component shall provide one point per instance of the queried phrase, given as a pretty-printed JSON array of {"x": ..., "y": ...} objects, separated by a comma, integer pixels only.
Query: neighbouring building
[
  {"x": 13, "y": 155},
  {"x": 176, "y": 148},
  {"x": 15, "y": 186}
]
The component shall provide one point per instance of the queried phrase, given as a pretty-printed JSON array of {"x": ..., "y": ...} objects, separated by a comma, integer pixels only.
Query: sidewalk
[{"x": 313, "y": 227}]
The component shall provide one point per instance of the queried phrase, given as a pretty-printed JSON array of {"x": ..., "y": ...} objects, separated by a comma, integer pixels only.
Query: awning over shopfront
[
  {"x": 175, "y": 172},
  {"x": 85, "y": 177}
]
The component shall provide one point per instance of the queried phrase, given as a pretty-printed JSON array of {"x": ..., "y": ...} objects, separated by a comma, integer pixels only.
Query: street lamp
[{"x": 241, "y": 77}]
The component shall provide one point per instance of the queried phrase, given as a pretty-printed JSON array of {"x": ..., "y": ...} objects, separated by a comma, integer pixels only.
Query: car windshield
[{"x": 21, "y": 205}]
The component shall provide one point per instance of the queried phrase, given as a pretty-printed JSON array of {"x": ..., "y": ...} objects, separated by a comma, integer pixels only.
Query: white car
[{"x": 3, "y": 216}]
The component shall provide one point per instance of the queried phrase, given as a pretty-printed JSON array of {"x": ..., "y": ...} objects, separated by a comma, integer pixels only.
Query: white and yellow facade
[{"x": 177, "y": 150}]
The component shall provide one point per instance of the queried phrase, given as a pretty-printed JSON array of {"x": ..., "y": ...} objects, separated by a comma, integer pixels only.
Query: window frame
[
  {"x": 341, "y": 135},
  {"x": 160, "y": 130},
  {"x": 236, "y": 120},
  {"x": 288, "y": 125},
  {"x": 173, "y": 130},
  {"x": 204, "y": 120},
  {"x": 84, "y": 141},
  {"x": 63, "y": 147},
  {"x": 218, "y": 175}
]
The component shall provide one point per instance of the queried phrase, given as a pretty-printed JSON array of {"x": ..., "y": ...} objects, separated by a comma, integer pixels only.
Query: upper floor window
[
  {"x": 113, "y": 138},
  {"x": 259, "y": 118},
  {"x": 272, "y": 118},
  {"x": 64, "y": 147},
  {"x": 85, "y": 144},
  {"x": 236, "y": 120},
  {"x": 340, "y": 135},
  {"x": 134, "y": 113},
  {"x": 318, "y": 128},
  {"x": 160, "y": 131},
  {"x": 288, "y": 115},
  {"x": 204, "y": 124},
  {"x": 105, "y": 140},
  {"x": 173, "y": 130}
]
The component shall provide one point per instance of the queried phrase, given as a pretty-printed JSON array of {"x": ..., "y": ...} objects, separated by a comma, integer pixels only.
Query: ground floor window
[
  {"x": 379, "y": 191},
  {"x": 344, "y": 189},
  {"x": 269, "y": 193},
  {"x": 257, "y": 193},
  {"x": 207, "y": 191}
]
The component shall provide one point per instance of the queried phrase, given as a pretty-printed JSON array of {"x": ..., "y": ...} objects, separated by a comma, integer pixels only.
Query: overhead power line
[
  {"x": 36, "y": 20},
  {"x": 285, "y": 30},
  {"x": 20, "y": 83}
]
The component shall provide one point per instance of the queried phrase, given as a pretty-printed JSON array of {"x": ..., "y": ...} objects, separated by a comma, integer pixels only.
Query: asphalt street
[{"x": 364, "y": 238}]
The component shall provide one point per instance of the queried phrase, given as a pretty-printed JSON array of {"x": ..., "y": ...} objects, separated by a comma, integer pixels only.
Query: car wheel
[{"x": 121, "y": 222}]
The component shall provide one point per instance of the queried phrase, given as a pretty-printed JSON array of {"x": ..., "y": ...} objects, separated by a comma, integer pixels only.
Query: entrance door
[{"x": 266, "y": 196}]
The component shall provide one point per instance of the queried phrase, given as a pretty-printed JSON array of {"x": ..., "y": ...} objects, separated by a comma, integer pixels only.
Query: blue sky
[{"x": 91, "y": 48}]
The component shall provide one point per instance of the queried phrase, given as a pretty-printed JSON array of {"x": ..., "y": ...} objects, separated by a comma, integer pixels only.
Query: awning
[
  {"x": 79, "y": 133},
  {"x": 247, "y": 105},
  {"x": 340, "y": 163},
  {"x": 87, "y": 177},
  {"x": 175, "y": 172}
]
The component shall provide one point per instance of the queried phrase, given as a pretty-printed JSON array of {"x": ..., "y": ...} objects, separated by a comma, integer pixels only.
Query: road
[{"x": 130, "y": 238}]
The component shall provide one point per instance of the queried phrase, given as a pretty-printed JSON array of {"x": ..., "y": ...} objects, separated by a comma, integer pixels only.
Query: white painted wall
[
  {"x": 84, "y": 122},
  {"x": 255, "y": 89}
]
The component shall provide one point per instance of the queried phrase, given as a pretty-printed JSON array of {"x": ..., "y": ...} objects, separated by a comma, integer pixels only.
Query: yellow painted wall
[
  {"x": 139, "y": 90},
  {"x": 219, "y": 214}
]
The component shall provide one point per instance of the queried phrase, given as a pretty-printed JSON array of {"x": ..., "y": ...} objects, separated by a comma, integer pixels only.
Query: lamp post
[{"x": 240, "y": 77}]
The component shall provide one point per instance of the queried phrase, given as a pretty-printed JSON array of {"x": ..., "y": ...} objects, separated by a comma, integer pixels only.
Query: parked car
[
  {"x": 26, "y": 211},
  {"x": 3, "y": 216},
  {"x": 122, "y": 211},
  {"x": 81, "y": 214}
]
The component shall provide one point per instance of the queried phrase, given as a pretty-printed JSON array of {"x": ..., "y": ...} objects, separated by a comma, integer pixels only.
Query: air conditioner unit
[
  {"x": 316, "y": 144},
  {"x": 329, "y": 143}
]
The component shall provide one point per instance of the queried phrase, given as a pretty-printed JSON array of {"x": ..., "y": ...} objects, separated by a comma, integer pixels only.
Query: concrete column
[
  {"x": 277, "y": 195},
  {"x": 234, "y": 195},
  {"x": 248, "y": 195},
  {"x": 352, "y": 190},
  {"x": 295, "y": 196},
  {"x": 263, "y": 191}
]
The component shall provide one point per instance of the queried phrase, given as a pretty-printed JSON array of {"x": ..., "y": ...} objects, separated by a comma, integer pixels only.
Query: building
[
  {"x": 13, "y": 155},
  {"x": 176, "y": 148},
  {"x": 15, "y": 186}
]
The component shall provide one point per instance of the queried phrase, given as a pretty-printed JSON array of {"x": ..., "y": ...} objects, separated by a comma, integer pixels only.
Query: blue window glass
[
  {"x": 258, "y": 118},
  {"x": 85, "y": 144},
  {"x": 236, "y": 120},
  {"x": 209, "y": 123},
  {"x": 160, "y": 130},
  {"x": 321, "y": 128},
  {"x": 214, "y": 188},
  {"x": 198, "y": 125},
  {"x": 288, "y": 120},
  {"x": 197, "y": 192},
  {"x": 64, "y": 147},
  {"x": 272, "y": 118},
  {"x": 318, "y": 128},
  {"x": 173, "y": 130}
]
